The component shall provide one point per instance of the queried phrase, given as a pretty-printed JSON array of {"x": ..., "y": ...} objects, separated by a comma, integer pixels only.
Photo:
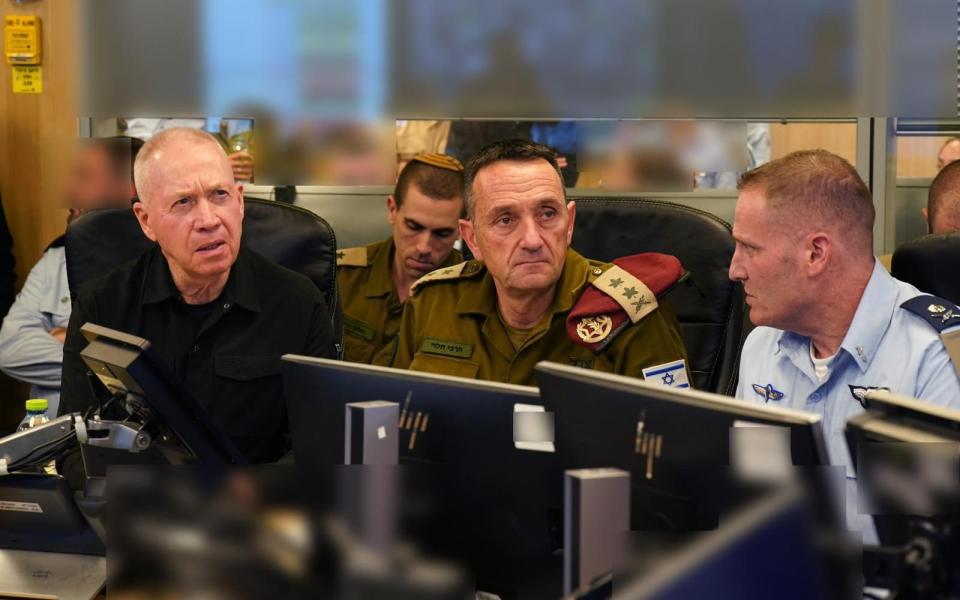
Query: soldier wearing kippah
[
  {"x": 528, "y": 297},
  {"x": 375, "y": 280}
]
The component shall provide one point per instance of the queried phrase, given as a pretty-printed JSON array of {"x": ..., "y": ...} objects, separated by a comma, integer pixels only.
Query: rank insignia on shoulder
[
  {"x": 673, "y": 374},
  {"x": 941, "y": 314},
  {"x": 859, "y": 392},
  {"x": 768, "y": 392},
  {"x": 445, "y": 273},
  {"x": 352, "y": 257},
  {"x": 619, "y": 295}
]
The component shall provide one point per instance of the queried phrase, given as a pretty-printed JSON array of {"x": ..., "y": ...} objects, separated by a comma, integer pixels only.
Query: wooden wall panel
[
  {"x": 917, "y": 156},
  {"x": 839, "y": 138},
  {"x": 36, "y": 136}
]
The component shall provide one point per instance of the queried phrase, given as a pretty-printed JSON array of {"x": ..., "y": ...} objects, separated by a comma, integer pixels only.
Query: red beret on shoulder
[{"x": 624, "y": 293}]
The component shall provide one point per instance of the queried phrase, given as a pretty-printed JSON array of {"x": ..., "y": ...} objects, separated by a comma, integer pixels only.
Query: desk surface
[{"x": 48, "y": 575}]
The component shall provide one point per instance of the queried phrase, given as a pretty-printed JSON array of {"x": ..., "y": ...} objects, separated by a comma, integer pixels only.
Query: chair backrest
[
  {"x": 708, "y": 305},
  {"x": 102, "y": 240},
  {"x": 929, "y": 263}
]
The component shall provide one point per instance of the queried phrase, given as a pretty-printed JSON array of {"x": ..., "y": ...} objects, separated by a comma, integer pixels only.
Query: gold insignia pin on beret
[{"x": 441, "y": 161}]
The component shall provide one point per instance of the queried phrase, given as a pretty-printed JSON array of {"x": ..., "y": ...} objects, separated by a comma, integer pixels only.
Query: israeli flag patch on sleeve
[{"x": 672, "y": 374}]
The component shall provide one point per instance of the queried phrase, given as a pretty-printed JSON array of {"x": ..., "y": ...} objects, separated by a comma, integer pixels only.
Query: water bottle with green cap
[{"x": 36, "y": 414}]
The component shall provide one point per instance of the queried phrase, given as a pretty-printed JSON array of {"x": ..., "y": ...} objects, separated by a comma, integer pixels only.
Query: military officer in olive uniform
[
  {"x": 375, "y": 280},
  {"x": 528, "y": 297}
]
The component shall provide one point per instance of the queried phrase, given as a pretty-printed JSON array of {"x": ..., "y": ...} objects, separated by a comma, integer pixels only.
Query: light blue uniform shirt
[
  {"x": 27, "y": 350},
  {"x": 885, "y": 347}
]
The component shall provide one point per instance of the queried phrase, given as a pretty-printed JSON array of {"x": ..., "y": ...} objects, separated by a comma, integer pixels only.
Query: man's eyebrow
[
  {"x": 443, "y": 230},
  {"x": 411, "y": 223}
]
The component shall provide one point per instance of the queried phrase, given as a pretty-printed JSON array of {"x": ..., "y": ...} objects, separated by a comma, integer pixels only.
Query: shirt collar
[
  {"x": 380, "y": 280},
  {"x": 241, "y": 287},
  {"x": 571, "y": 282},
  {"x": 870, "y": 322},
  {"x": 872, "y": 318}
]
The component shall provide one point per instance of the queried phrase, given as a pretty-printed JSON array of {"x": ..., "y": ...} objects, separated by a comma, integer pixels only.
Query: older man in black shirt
[{"x": 220, "y": 313}]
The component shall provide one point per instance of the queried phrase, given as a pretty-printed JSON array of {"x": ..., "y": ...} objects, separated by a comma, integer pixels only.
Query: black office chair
[
  {"x": 100, "y": 241},
  {"x": 930, "y": 264},
  {"x": 708, "y": 305}
]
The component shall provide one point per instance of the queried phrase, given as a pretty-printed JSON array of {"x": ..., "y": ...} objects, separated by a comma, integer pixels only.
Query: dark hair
[
  {"x": 121, "y": 152},
  {"x": 434, "y": 182},
  {"x": 818, "y": 184},
  {"x": 516, "y": 149},
  {"x": 946, "y": 182}
]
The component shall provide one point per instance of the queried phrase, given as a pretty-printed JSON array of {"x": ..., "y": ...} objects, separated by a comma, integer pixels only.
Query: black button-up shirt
[{"x": 229, "y": 358}]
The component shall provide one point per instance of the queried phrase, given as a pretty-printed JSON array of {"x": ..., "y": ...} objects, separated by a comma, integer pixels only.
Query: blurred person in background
[
  {"x": 949, "y": 152},
  {"x": 8, "y": 275},
  {"x": 234, "y": 135},
  {"x": 31, "y": 339},
  {"x": 942, "y": 212}
]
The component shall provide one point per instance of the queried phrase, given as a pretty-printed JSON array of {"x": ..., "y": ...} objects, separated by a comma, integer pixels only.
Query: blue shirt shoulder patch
[{"x": 941, "y": 314}]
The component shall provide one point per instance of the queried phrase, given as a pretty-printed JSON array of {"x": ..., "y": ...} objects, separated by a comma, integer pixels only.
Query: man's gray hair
[{"x": 522, "y": 150}]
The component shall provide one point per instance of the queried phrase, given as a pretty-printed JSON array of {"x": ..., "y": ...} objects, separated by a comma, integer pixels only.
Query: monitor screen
[
  {"x": 686, "y": 451},
  {"x": 502, "y": 496}
]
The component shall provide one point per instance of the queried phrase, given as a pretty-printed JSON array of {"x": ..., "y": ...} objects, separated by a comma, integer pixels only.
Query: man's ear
[
  {"x": 818, "y": 251},
  {"x": 143, "y": 217},
  {"x": 391, "y": 209},
  {"x": 572, "y": 211},
  {"x": 467, "y": 234},
  {"x": 243, "y": 202}
]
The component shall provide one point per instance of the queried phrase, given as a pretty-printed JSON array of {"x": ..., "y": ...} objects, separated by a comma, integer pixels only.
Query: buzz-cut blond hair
[{"x": 818, "y": 187}]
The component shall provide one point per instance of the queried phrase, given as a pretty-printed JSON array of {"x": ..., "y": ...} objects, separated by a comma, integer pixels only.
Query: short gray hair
[{"x": 516, "y": 149}]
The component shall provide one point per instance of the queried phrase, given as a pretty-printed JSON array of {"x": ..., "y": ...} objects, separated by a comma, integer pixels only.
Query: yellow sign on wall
[
  {"x": 27, "y": 80},
  {"x": 21, "y": 39}
]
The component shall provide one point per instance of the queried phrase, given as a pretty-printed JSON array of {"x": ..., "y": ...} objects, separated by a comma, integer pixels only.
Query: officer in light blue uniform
[
  {"x": 32, "y": 335},
  {"x": 29, "y": 347},
  {"x": 832, "y": 323}
]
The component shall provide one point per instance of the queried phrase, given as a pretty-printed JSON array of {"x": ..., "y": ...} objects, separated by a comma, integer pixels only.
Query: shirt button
[
  {"x": 226, "y": 306},
  {"x": 196, "y": 348},
  {"x": 815, "y": 396}
]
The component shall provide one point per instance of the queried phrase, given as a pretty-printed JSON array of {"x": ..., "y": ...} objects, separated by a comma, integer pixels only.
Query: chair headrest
[
  {"x": 929, "y": 263},
  {"x": 102, "y": 240},
  {"x": 708, "y": 305}
]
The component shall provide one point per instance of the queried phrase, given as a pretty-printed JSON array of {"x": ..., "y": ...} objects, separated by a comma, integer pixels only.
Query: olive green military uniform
[
  {"x": 451, "y": 326},
  {"x": 371, "y": 305}
]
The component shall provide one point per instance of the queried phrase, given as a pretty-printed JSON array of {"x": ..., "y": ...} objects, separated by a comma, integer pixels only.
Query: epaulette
[
  {"x": 352, "y": 257},
  {"x": 620, "y": 294},
  {"x": 944, "y": 316},
  {"x": 457, "y": 271},
  {"x": 938, "y": 312}
]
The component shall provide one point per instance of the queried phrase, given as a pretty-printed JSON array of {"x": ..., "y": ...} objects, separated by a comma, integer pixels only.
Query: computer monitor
[
  {"x": 896, "y": 418},
  {"x": 766, "y": 549},
  {"x": 906, "y": 453},
  {"x": 506, "y": 501},
  {"x": 148, "y": 390},
  {"x": 686, "y": 450}
]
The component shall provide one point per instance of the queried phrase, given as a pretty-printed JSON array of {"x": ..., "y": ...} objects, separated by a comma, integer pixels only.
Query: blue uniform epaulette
[{"x": 941, "y": 314}]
